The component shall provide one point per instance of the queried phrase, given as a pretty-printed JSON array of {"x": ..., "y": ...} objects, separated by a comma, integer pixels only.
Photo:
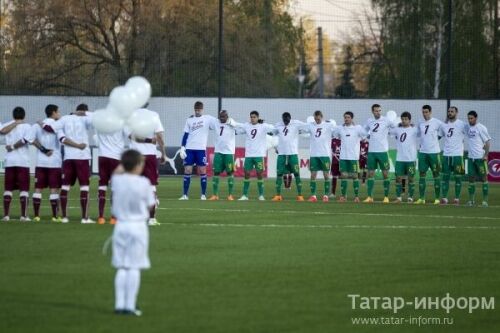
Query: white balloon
[
  {"x": 398, "y": 120},
  {"x": 124, "y": 100},
  {"x": 270, "y": 143},
  {"x": 142, "y": 123},
  {"x": 107, "y": 120},
  {"x": 310, "y": 120},
  {"x": 333, "y": 122},
  {"x": 391, "y": 115},
  {"x": 141, "y": 87}
]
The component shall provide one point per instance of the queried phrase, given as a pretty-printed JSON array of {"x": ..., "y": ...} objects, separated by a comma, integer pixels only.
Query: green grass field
[{"x": 256, "y": 266}]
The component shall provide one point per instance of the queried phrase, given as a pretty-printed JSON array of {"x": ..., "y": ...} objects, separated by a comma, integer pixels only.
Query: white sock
[
  {"x": 133, "y": 283},
  {"x": 120, "y": 288}
]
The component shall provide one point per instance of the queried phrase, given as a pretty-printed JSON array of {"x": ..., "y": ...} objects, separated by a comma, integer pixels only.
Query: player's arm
[
  {"x": 41, "y": 148},
  {"x": 6, "y": 130},
  {"x": 486, "y": 149},
  {"x": 68, "y": 142}
]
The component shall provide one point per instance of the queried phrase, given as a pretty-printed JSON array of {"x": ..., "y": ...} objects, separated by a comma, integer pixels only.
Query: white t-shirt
[
  {"x": 132, "y": 197},
  {"x": 225, "y": 138},
  {"x": 320, "y": 141},
  {"x": 288, "y": 137},
  {"x": 147, "y": 148},
  {"x": 112, "y": 145},
  {"x": 255, "y": 138},
  {"x": 406, "y": 143},
  {"x": 429, "y": 136},
  {"x": 198, "y": 129},
  {"x": 49, "y": 141},
  {"x": 76, "y": 129},
  {"x": 350, "y": 137},
  {"x": 18, "y": 157},
  {"x": 477, "y": 136},
  {"x": 453, "y": 134},
  {"x": 378, "y": 129}
]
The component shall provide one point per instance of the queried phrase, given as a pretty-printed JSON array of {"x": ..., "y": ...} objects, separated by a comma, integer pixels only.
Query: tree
[{"x": 347, "y": 89}]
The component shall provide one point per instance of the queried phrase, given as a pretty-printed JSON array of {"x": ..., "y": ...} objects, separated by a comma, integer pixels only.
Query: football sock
[
  {"x": 334, "y": 185},
  {"x": 399, "y": 190},
  {"x": 472, "y": 191},
  {"x": 246, "y": 186},
  {"x": 64, "y": 202},
  {"x": 387, "y": 183},
  {"x": 370, "y": 185},
  {"x": 355, "y": 185},
  {"x": 485, "y": 191},
  {"x": 411, "y": 189},
  {"x": 23, "y": 199},
  {"x": 203, "y": 183},
  {"x": 445, "y": 185},
  {"x": 152, "y": 209},
  {"x": 230, "y": 184},
  {"x": 403, "y": 184},
  {"x": 421, "y": 187},
  {"x": 260, "y": 186},
  {"x": 54, "y": 198},
  {"x": 120, "y": 288},
  {"x": 132, "y": 288},
  {"x": 215, "y": 185},
  {"x": 458, "y": 186},
  {"x": 37, "y": 201},
  {"x": 84, "y": 200},
  {"x": 102, "y": 201},
  {"x": 327, "y": 186},
  {"x": 7, "y": 198},
  {"x": 298, "y": 183},
  {"x": 343, "y": 187},
  {"x": 279, "y": 182},
  {"x": 313, "y": 187},
  {"x": 437, "y": 187},
  {"x": 186, "y": 183}
]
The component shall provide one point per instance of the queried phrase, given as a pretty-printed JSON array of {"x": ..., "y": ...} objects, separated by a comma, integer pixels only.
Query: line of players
[{"x": 413, "y": 143}]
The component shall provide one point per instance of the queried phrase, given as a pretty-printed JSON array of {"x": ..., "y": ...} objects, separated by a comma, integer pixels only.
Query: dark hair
[
  {"x": 82, "y": 107},
  {"x": 130, "y": 159},
  {"x": 50, "y": 109},
  {"x": 254, "y": 113},
  {"x": 318, "y": 113},
  {"x": 427, "y": 107},
  {"x": 198, "y": 105},
  {"x": 406, "y": 114},
  {"x": 349, "y": 113},
  {"x": 286, "y": 114},
  {"x": 375, "y": 106},
  {"x": 454, "y": 107},
  {"x": 223, "y": 111},
  {"x": 18, "y": 113},
  {"x": 472, "y": 113}
]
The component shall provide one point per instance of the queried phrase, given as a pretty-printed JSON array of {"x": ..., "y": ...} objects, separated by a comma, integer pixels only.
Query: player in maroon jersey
[
  {"x": 335, "y": 165},
  {"x": 363, "y": 157}
]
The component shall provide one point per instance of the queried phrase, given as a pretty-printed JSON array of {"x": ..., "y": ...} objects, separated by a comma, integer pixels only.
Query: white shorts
[{"x": 130, "y": 245}]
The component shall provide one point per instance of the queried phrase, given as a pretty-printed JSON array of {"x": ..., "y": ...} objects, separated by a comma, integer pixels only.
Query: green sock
[
  {"x": 411, "y": 189},
  {"x": 355, "y": 185},
  {"x": 279, "y": 182},
  {"x": 313, "y": 187},
  {"x": 458, "y": 187},
  {"x": 387, "y": 183},
  {"x": 215, "y": 184},
  {"x": 343, "y": 187},
  {"x": 485, "y": 191},
  {"x": 399, "y": 190},
  {"x": 445, "y": 185},
  {"x": 437, "y": 187},
  {"x": 472, "y": 191},
  {"x": 260, "y": 186},
  {"x": 230, "y": 184},
  {"x": 421, "y": 187},
  {"x": 298, "y": 183},
  {"x": 328, "y": 183},
  {"x": 246, "y": 186},
  {"x": 370, "y": 184}
]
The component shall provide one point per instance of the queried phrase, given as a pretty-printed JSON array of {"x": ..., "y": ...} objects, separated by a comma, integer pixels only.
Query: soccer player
[
  {"x": 363, "y": 159},
  {"x": 255, "y": 151},
  {"x": 350, "y": 136},
  {"x": 48, "y": 171},
  {"x": 406, "y": 136},
  {"x": 336, "y": 143},
  {"x": 133, "y": 197},
  {"x": 319, "y": 146},
  {"x": 453, "y": 134},
  {"x": 225, "y": 145},
  {"x": 194, "y": 146},
  {"x": 429, "y": 154},
  {"x": 378, "y": 157},
  {"x": 478, "y": 141},
  {"x": 18, "y": 135},
  {"x": 148, "y": 147},
  {"x": 288, "y": 153}
]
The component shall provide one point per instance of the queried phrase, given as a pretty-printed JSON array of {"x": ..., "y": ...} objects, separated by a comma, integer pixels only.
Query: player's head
[
  {"x": 254, "y": 117},
  {"x": 318, "y": 117},
  {"x": 52, "y": 111},
  {"x": 348, "y": 116},
  {"x": 286, "y": 117},
  {"x": 406, "y": 119},
  {"x": 223, "y": 116},
  {"x": 472, "y": 117},
  {"x": 198, "y": 108},
  {"x": 427, "y": 112},
  {"x": 376, "y": 111},
  {"x": 132, "y": 161},
  {"x": 452, "y": 113},
  {"x": 82, "y": 107},
  {"x": 18, "y": 113}
]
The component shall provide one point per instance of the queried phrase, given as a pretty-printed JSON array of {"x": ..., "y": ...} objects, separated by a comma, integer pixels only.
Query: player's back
[
  {"x": 132, "y": 197},
  {"x": 112, "y": 145},
  {"x": 76, "y": 129},
  {"x": 49, "y": 141},
  {"x": 18, "y": 157}
]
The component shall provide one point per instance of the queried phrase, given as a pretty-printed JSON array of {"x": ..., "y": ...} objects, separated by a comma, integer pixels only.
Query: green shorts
[
  {"x": 319, "y": 163},
  {"x": 223, "y": 162},
  {"x": 256, "y": 163},
  {"x": 477, "y": 168},
  {"x": 349, "y": 166},
  {"x": 287, "y": 164},
  {"x": 405, "y": 169},
  {"x": 453, "y": 164},
  {"x": 429, "y": 161},
  {"x": 378, "y": 161}
]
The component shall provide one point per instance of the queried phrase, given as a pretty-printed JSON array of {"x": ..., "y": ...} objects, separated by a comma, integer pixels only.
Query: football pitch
[{"x": 259, "y": 266}]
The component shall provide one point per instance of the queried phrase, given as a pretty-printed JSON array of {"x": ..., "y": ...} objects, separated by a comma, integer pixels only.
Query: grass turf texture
[{"x": 255, "y": 266}]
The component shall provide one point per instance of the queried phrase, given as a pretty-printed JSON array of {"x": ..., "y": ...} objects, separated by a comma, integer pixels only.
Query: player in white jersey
[
  {"x": 406, "y": 136},
  {"x": 255, "y": 151},
  {"x": 429, "y": 154},
  {"x": 48, "y": 171},
  {"x": 133, "y": 197},
  {"x": 225, "y": 147},
  {"x": 148, "y": 147},
  {"x": 453, "y": 134},
  {"x": 321, "y": 133},
  {"x": 288, "y": 153},
  {"x": 18, "y": 135},
  {"x": 350, "y": 136},
  {"x": 194, "y": 146},
  {"x": 479, "y": 141},
  {"x": 378, "y": 147}
]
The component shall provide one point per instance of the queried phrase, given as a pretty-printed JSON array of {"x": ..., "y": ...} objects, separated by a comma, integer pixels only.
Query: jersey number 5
[
  {"x": 318, "y": 132},
  {"x": 450, "y": 132}
]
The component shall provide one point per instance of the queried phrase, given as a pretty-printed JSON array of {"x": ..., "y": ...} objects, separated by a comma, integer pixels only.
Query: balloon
[
  {"x": 310, "y": 120},
  {"x": 333, "y": 122},
  {"x": 398, "y": 120},
  {"x": 271, "y": 141},
  {"x": 107, "y": 120},
  {"x": 141, "y": 87},
  {"x": 124, "y": 100},
  {"x": 391, "y": 115},
  {"x": 142, "y": 123}
]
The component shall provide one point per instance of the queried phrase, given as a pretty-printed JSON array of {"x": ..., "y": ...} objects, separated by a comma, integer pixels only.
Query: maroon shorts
[
  {"x": 362, "y": 163},
  {"x": 48, "y": 177},
  {"x": 76, "y": 169},
  {"x": 336, "y": 169},
  {"x": 17, "y": 178},
  {"x": 106, "y": 168},
  {"x": 151, "y": 169}
]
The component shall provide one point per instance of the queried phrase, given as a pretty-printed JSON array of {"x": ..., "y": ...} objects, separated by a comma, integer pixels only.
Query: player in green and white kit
[
  {"x": 453, "y": 134},
  {"x": 478, "y": 141},
  {"x": 288, "y": 153},
  {"x": 406, "y": 136},
  {"x": 429, "y": 154},
  {"x": 378, "y": 151},
  {"x": 350, "y": 136},
  {"x": 320, "y": 152}
]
